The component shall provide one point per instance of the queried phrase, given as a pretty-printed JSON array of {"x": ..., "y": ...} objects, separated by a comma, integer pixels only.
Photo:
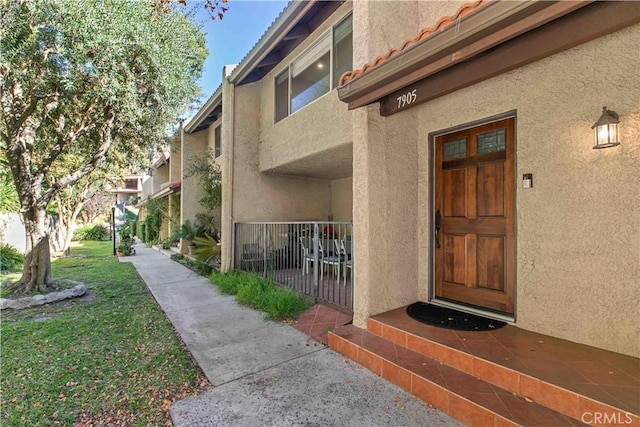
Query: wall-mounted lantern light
[{"x": 605, "y": 130}]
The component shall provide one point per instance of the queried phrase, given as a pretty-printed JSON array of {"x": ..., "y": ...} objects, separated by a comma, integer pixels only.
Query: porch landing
[{"x": 507, "y": 376}]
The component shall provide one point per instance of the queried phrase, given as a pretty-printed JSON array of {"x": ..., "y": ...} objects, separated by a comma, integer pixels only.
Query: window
[
  {"x": 217, "y": 136},
  {"x": 316, "y": 71},
  {"x": 491, "y": 141},
  {"x": 282, "y": 96},
  {"x": 342, "y": 49}
]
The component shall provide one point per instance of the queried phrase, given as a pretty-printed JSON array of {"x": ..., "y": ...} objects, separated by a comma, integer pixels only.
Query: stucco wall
[
  {"x": 319, "y": 126},
  {"x": 147, "y": 187},
  {"x": 342, "y": 199},
  {"x": 266, "y": 197},
  {"x": 381, "y": 25},
  {"x": 385, "y": 167},
  {"x": 194, "y": 146},
  {"x": 578, "y": 228},
  {"x": 175, "y": 165},
  {"x": 385, "y": 197},
  {"x": 160, "y": 176}
]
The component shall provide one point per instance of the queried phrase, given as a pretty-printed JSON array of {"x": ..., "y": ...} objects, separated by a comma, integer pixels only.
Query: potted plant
[
  {"x": 189, "y": 231},
  {"x": 166, "y": 242}
]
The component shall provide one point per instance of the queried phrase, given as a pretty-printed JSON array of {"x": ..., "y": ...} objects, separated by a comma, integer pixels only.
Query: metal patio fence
[{"x": 311, "y": 258}]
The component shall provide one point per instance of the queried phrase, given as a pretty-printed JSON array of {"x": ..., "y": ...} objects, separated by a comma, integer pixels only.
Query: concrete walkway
[{"x": 267, "y": 373}]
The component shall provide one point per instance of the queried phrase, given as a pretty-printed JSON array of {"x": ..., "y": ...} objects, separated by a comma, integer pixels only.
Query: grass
[
  {"x": 115, "y": 360},
  {"x": 278, "y": 303}
]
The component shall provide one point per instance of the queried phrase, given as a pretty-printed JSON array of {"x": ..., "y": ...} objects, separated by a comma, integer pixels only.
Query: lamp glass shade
[{"x": 606, "y": 129}]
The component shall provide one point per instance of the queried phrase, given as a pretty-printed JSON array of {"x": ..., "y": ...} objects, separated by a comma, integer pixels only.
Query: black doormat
[{"x": 448, "y": 318}]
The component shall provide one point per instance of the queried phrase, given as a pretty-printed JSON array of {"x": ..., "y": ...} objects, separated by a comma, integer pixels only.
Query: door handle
[{"x": 438, "y": 225}]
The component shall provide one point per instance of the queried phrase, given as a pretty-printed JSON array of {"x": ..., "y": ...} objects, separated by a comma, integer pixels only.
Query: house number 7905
[{"x": 407, "y": 98}]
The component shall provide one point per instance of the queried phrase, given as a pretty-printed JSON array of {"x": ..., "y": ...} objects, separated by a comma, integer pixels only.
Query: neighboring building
[
  {"x": 127, "y": 196},
  {"x": 130, "y": 191},
  {"x": 202, "y": 137},
  {"x": 164, "y": 184},
  {"x": 461, "y": 151}
]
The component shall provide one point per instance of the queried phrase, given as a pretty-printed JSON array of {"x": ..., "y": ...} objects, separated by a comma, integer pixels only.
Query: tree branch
[
  {"x": 96, "y": 161},
  {"x": 65, "y": 140}
]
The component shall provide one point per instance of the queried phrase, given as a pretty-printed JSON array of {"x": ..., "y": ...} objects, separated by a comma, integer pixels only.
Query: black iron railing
[{"x": 311, "y": 258}]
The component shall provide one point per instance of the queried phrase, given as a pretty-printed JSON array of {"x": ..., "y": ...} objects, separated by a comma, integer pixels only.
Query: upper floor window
[
  {"x": 316, "y": 71},
  {"x": 217, "y": 136}
]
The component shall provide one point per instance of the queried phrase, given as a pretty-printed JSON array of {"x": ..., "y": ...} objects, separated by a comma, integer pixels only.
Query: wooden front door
[{"x": 475, "y": 217}]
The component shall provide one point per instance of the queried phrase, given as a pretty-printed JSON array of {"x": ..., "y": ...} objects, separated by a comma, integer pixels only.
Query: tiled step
[
  {"x": 572, "y": 379},
  {"x": 471, "y": 400}
]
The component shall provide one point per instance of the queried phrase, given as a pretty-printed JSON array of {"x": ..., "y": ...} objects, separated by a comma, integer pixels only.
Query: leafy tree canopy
[{"x": 82, "y": 78}]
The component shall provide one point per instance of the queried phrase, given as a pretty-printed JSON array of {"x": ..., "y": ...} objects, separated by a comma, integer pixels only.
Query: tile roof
[{"x": 409, "y": 42}]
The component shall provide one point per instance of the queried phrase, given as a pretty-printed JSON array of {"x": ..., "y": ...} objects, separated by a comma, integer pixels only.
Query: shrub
[
  {"x": 279, "y": 303},
  {"x": 10, "y": 258},
  {"x": 207, "y": 248},
  {"x": 91, "y": 232},
  {"x": 126, "y": 239}
]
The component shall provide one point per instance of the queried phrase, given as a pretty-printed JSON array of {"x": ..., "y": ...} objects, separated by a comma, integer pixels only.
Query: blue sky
[{"x": 230, "y": 39}]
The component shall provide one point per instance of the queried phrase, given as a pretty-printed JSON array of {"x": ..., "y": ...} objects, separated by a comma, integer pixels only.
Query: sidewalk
[{"x": 267, "y": 373}]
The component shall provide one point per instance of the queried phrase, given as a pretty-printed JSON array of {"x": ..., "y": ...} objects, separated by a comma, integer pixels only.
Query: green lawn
[{"x": 113, "y": 360}]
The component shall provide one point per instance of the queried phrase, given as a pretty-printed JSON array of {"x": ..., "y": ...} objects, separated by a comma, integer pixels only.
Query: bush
[
  {"x": 91, "y": 232},
  {"x": 207, "y": 248},
  {"x": 10, "y": 258},
  {"x": 126, "y": 239},
  {"x": 279, "y": 303},
  {"x": 141, "y": 231}
]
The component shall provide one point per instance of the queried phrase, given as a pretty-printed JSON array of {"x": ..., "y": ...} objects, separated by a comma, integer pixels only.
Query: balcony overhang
[
  {"x": 498, "y": 37},
  {"x": 166, "y": 189},
  {"x": 334, "y": 163}
]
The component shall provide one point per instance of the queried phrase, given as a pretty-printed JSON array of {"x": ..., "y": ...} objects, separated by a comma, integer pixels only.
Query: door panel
[
  {"x": 491, "y": 189},
  {"x": 455, "y": 254},
  {"x": 490, "y": 258},
  {"x": 474, "y": 191},
  {"x": 455, "y": 195}
]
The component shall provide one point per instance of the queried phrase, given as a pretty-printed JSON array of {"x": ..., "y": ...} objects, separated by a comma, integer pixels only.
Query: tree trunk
[{"x": 36, "y": 274}]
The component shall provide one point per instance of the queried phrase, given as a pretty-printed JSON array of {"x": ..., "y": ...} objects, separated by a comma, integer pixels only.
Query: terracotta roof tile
[{"x": 423, "y": 34}]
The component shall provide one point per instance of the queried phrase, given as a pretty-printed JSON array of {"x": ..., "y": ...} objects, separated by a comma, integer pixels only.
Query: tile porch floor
[{"x": 605, "y": 376}]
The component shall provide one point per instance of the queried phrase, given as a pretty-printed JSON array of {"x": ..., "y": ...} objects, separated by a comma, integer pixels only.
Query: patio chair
[
  {"x": 333, "y": 258},
  {"x": 253, "y": 257},
  {"x": 306, "y": 244},
  {"x": 346, "y": 248}
]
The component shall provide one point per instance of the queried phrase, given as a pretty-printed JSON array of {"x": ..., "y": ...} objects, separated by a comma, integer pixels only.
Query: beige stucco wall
[
  {"x": 211, "y": 146},
  {"x": 342, "y": 199},
  {"x": 175, "y": 165},
  {"x": 160, "y": 176},
  {"x": 322, "y": 125},
  {"x": 385, "y": 215},
  {"x": 193, "y": 146},
  {"x": 381, "y": 25},
  {"x": 266, "y": 197},
  {"x": 385, "y": 168},
  {"x": 578, "y": 228},
  {"x": 147, "y": 187}
]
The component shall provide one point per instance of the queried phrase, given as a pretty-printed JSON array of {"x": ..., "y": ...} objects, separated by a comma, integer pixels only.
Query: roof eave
[
  {"x": 450, "y": 41},
  {"x": 289, "y": 17},
  {"x": 214, "y": 101}
]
